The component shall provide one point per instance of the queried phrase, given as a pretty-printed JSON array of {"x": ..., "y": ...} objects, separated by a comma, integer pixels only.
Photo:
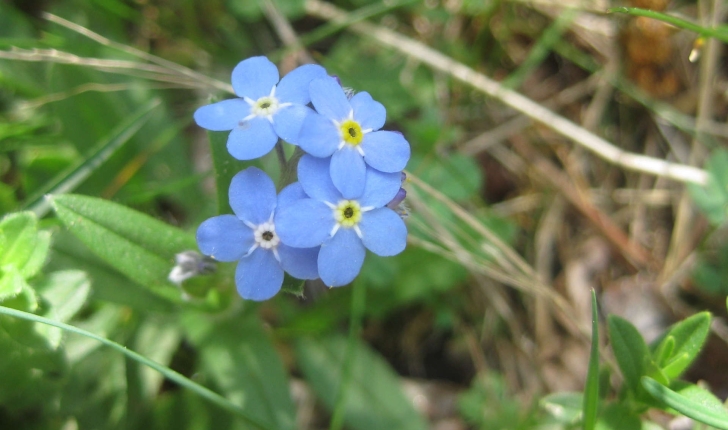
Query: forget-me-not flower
[
  {"x": 347, "y": 131},
  {"x": 266, "y": 110},
  {"x": 250, "y": 237},
  {"x": 344, "y": 227}
]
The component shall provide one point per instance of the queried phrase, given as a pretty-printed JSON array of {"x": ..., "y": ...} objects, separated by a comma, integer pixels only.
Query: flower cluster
[{"x": 349, "y": 181}]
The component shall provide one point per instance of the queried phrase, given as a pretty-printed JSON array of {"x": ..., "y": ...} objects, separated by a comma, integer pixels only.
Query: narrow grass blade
[
  {"x": 167, "y": 372},
  {"x": 70, "y": 178},
  {"x": 720, "y": 33},
  {"x": 541, "y": 49},
  {"x": 591, "y": 391}
]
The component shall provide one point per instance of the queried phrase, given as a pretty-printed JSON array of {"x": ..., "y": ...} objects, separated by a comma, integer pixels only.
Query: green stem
[
  {"x": 168, "y": 373},
  {"x": 281, "y": 154},
  {"x": 358, "y": 300},
  {"x": 720, "y": 33}
]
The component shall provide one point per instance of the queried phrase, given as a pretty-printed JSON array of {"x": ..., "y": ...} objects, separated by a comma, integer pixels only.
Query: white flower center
[
  {"x": 265, "y": 106},
  {"x": 265, "y": 236}
]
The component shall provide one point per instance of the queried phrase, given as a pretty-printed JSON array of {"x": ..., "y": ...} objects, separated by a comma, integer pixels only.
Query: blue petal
[
  {"x": 224, "y": 238},
  {"x": 319, "y": 136},
  {"x": 348, "y": 172},
  {"x": 329, "y": 99},
  {"x": 314, "y": 176},
  {"x": 293, "y": 88},
  {"x": 383, "y": 232},
  {"x": 304, "y": 224},
  {"x": 340, "y": 258},
  {"x": 259, "y": 276},
  {"x": 386, "y": 151},
  {"x": 291, "y": 194},
  {"x": 254, "y": 77},
  {"x": 252, "y": 139},
  {"x": 223, "y": 115},
  {"x": 380, "y": 188},
  {"x": 253, "y": 196},
  {"x": 287, "y": 122},
  {"x": 369, "y": 113},
  {"x": 301, "y": 263}
]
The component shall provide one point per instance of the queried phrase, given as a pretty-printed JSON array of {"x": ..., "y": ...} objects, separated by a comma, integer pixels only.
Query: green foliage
[
  {"x": 374, "y": 398},
  {"x": 135, "y": 244},
  {"x": 691, "y": 401},
  {"x": 488, "y": 406},
  {"x": 618, "y": 417},
  {"x": 239, "y": 358},
  {"x": 681, "y": 344},
  {"x": 565, "y": 409},
  {"x": 630, "y": 350},
  {"x": 37, "y": 366},
  {"x": 712, "y": 199},
  {"x": 650, "y": 373}
]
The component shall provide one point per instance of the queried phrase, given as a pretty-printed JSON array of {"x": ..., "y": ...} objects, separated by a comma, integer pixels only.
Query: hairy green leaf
[
  {"x": 137, "y": 245},
  {"x": 22, "y": 245}
]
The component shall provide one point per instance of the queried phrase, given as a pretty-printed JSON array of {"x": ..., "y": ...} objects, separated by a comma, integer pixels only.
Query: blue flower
[
  {"x": 346, "y": 131},
  {"x": 267, "y": 109},
  {"x": 250, "y": 237},
  {"x": 343, "y": 227}
]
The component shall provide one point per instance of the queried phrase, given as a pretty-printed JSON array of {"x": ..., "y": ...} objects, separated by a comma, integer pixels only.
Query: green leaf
[
  {"x": 241, "y": 360},
  {"x": 69, "y": 179},
  {"x": 691, "y": 401},
  {"x": 457, "y": 176},
  {"x": 157, "y": 339},
  {"x": 11, "y": 283},
  {"x": 65, "y": 293},
  {"x": 23, "y": 246},
  {"x": 687, "y": 337},
  {"x": 630, "y": 351},
  {"x": 617, "y": 416},
  {"x": 225, "y": 168},
  {"x": 565, "y": 408},
  {"x": 374, "y": 399},
  {"x": 167, "y": 372},
  {"x": 591, "y": 391},
  {"x": 109, "y": 284},
  {"x": 712, "y": 198},
  {"x": 137, "y": 245}
]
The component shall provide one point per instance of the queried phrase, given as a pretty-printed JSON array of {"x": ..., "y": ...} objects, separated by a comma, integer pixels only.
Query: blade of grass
[
  {"x": 591, "y": 391},
  {"x": 541, "y": 49},
  {"x": 70, "y": 178},
  {"x": 720, "y": 32},
  {"x": 358, "y": 299},
  {"x": 168, "y": 373}
]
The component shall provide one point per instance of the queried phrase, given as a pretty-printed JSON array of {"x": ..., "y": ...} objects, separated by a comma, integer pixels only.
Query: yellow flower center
[
  {"x": 351, "y": 132},
  {"x": 348, "y": 213}
]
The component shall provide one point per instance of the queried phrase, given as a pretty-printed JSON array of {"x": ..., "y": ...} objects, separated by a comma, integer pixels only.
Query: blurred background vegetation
[{"x": 514, "y": 219}]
